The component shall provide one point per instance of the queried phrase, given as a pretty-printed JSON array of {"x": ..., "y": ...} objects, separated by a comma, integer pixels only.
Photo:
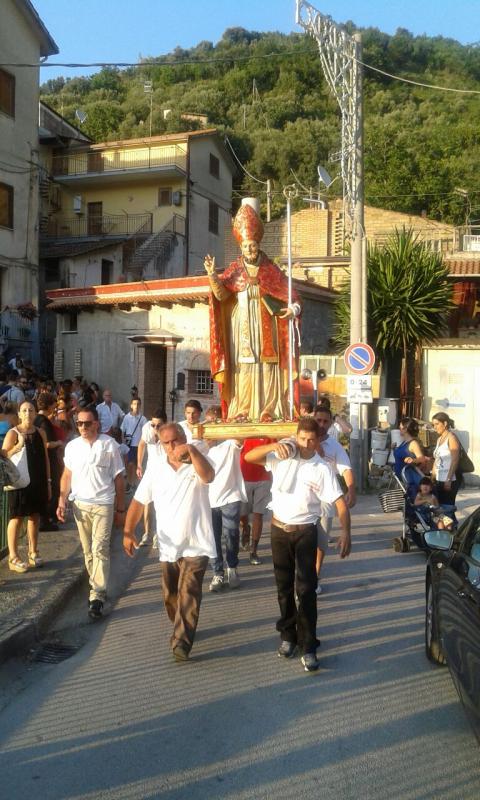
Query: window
[
  {"x": 6, "y": 205},
  {"x": 200, "y": 381},
  {"x": 212, "y": 217},
  {"x": 165, "y": 196},
  {"x": 71, "y": 322},
  {"x": 107, "y": 272},
  {"x": 214, "y": 166},
  {"x": 7, "y": 93}
]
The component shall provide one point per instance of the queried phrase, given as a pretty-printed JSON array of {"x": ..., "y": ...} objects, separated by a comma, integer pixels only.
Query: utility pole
[
  {"x": 148, "y": 89},
  {"x": 340, "y": 56}
]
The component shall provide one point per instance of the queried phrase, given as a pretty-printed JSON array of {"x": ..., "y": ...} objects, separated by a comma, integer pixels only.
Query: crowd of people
[{"x": 200, "y": 499}]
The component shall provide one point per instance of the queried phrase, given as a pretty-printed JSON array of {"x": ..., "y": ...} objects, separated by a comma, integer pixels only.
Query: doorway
[
  {"x": 94, "y": 219},
  {"x": 154, "y": 379}
]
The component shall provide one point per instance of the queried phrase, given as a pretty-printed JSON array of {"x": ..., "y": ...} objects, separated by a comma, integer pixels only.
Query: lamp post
[
  {"x": 148, "y": 89},
  {"x": 290, "y": 192}
]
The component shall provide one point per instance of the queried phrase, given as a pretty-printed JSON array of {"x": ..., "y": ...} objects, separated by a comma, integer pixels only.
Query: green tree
[{"x": 409, "y": 298}]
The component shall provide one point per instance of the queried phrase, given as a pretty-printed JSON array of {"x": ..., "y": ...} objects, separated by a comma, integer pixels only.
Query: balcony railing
[
  {"x": 93, "y": 225},
  {"x": 111, "y": 161},
  {"x": 14, "y": 326}
]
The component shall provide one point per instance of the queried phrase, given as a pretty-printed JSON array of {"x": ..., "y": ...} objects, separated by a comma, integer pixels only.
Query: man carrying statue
[{"x": 249, "y": 318}]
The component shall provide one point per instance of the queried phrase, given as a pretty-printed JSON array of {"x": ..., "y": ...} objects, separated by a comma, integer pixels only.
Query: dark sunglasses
[{"x": 87, "y": 423}]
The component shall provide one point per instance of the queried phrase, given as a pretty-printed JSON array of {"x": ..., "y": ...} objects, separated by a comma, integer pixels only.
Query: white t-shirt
[
  {"x": 299, "y": 486},
  {"x": 148, "y": 433},
  {"x": 132, "y": 426},
  {"x": 443, "y": 461},
  {"x": 335, "y": 455},
  {"x": 334, "y": 431},
  {"x": 94, "y": 468},
  {"x": 110, "y": 416},
  {"x": 182, "y": 510},
  {"x": 228, "y": 485}
]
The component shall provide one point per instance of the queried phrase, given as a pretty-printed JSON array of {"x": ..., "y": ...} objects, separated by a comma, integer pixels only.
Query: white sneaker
[
  {"x": 216, "y": 584},
  {"x": 318, "y": 590},
  {"x": 232, "y": 578}
]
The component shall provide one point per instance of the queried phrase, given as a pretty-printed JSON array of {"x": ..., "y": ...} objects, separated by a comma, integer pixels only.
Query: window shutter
[{"x": 58, "y": 365}]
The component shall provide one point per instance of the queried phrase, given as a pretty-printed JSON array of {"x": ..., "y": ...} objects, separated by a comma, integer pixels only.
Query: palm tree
[{"x": 409, "y": 298}]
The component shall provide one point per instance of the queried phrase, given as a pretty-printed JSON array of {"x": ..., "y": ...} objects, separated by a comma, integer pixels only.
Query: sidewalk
[{"x": 30, "y": 602}]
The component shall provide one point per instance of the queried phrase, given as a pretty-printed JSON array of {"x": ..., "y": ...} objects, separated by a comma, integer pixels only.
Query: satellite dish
[
  {"x": 80, "y": 115},
  {"x": 324, "y": 176}
]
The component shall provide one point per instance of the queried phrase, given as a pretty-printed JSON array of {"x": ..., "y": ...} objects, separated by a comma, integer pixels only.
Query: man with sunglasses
[{"x": 93, "y": 480}]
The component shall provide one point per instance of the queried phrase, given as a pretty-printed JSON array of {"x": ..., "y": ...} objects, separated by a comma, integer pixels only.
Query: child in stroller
[{"x": 427, "y": 505}]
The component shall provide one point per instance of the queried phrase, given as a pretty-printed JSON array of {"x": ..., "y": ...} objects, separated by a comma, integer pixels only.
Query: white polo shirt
[
  {"x": 110, "y": 416},
  {"x": 228, "y": 485},
  {"x": 182, "y": 511},
  {"x": 299, "y": 486},
  {"x": 94, "y": 468},
  {"x": 148, "y": 434}
]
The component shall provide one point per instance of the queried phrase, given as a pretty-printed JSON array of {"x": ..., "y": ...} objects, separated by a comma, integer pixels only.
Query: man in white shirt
[
  {"x": 13, "y": 393},
  {"x": 334, "y": 454},
  {"x": 110, "y": 414},
  {"x": 178, "y": 488},
  {"x": 93, "y": 480},
  {"x": 226, "y": 494},
  {"x": 131, "y": 427},
  {"x": 193, "y": 412},
  {"x": 150, "y": 445},
  {"x": 300, "y": 483}
]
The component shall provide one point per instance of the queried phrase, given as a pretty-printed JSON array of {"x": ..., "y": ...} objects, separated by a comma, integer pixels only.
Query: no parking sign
[{"x": 359, "y": 358}]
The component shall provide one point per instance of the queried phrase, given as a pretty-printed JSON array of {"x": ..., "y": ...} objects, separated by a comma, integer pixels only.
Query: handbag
[
  {"x": 19, "y": 460},
  {"x": 9, "y": 474},
  {"x": 129, "y": 436},
  {"x": 465, "y": 463}
]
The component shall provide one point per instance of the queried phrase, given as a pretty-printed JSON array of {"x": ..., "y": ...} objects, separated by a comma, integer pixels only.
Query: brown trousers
[{"x": 182, "y": 594}]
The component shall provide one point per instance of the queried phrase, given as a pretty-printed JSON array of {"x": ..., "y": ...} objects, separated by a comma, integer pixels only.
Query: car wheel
[{"x": 433, "y": 648}]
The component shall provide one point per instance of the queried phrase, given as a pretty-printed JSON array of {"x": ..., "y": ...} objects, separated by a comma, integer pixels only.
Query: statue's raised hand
[{"x": 209, "y": 264}]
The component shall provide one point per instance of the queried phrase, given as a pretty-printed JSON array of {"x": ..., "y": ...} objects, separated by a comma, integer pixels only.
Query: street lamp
[{"x": 148, "y": 89}]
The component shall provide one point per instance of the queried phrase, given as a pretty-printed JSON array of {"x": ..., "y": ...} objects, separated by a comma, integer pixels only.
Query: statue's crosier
[{"x": 249, "y": 316}]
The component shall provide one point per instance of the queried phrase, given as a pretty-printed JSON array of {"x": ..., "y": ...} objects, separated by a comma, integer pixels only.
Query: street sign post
[
  {"x": 359, "y": 389},
  {"x": 359, "y": 358}
]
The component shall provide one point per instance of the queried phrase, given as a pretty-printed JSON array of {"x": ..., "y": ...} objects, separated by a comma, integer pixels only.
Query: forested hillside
[{"x": 267, "y": 92}]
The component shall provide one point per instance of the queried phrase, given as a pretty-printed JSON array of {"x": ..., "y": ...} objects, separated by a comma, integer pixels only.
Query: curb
[{"x": 26, "y": 634}]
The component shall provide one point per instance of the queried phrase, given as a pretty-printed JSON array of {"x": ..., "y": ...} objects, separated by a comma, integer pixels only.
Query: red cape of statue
[{"x": 273, "y": 283}]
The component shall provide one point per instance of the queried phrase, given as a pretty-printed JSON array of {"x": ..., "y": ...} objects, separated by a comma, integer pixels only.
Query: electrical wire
[
  {"x": 417, "y": 83},
  {"x": 265, "y": 183}
]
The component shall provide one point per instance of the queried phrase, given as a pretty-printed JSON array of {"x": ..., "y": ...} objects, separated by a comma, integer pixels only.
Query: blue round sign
[{"x": 359, "y": 358}]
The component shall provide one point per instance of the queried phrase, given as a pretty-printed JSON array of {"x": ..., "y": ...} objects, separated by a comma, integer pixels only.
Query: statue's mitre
[{"x": 247, "y": 225}]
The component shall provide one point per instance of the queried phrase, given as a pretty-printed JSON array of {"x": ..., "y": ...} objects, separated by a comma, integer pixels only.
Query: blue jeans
[{"x": 226, "y": 520}]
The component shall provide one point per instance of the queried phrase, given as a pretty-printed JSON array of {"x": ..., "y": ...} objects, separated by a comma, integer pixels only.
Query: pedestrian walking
[
  {"x": 226, "y": 494},
  {"x": 110, "y": 414},
  {"x": 131, "y": 427},
  {"x": 93, "y": 480},
  {"x": 178, "y": 488},
  {"x": 301, "y": 480},
  {"x": 151, "y": 447},
  {"x": 258, "y": 490},
  {"x": 31, "y": 501},
  {"x": 334, "y": 454},
  {"x": 193, "y": 413},
  {"x": 47, "y": 408}
]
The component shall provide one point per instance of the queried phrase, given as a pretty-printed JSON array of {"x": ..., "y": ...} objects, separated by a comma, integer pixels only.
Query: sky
[{"x": 122, "y": 30}]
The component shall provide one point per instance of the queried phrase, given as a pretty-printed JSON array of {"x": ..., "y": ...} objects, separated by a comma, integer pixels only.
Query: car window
[{"x": 468, "y": 535}]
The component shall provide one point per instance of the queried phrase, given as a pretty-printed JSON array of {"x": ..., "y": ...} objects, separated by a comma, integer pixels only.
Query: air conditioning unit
[
  {"x": 176, "y": 198},
  {"x": 78, "y": 204}
]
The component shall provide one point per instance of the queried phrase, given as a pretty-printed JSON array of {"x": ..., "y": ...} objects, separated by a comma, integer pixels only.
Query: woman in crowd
[
  {"x": 409, "y": 456},
  {"x": 30, "y": 502},
  {"x": 47, "y": 408},
  {"x": 8, "y": 418},
  {"x": 446, "y": 456}
]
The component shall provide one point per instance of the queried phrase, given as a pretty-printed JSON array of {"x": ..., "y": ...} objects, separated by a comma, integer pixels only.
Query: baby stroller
[{"x": 417, "y": 520}]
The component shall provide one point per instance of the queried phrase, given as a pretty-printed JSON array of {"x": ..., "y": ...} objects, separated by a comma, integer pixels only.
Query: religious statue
[{"x": 249, "y": 318}]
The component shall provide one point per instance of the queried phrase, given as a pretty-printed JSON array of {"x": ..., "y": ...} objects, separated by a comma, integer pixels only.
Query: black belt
[{"x": 291, "y": 528}]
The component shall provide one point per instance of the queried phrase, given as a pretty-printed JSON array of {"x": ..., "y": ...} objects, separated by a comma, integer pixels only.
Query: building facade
[{"x": 22, "y": 35}]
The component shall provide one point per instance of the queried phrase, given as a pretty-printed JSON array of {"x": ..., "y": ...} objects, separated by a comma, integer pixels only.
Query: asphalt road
[{"x": 120, "y": 720}]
